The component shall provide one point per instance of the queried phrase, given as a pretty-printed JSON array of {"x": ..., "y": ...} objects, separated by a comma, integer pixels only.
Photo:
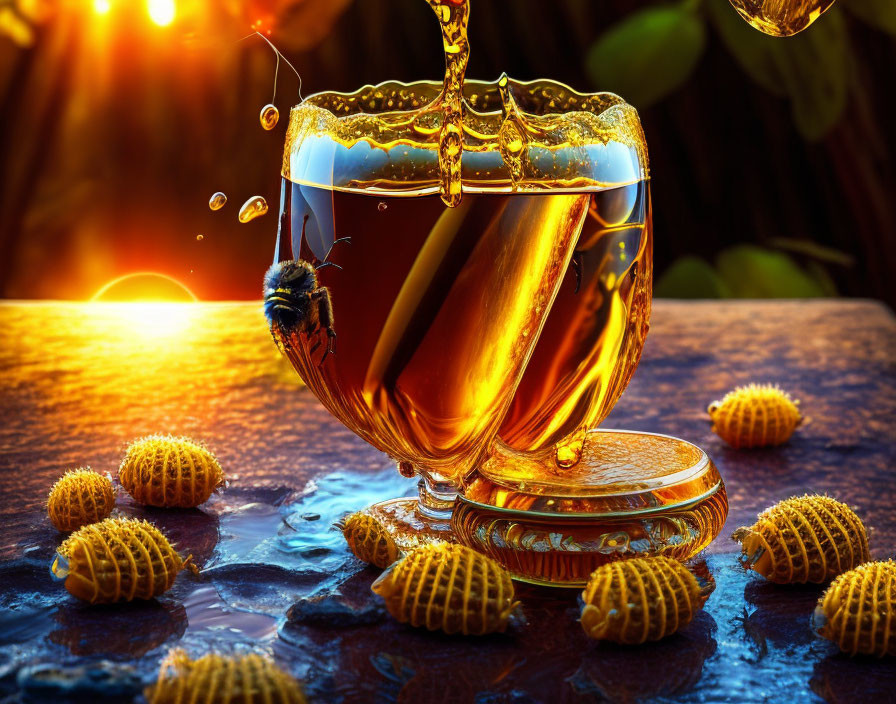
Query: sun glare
[
  {"x": 102, "y": 7},
  {"x": 162, "y": 12},
  {"x": 156, "y": 320}
]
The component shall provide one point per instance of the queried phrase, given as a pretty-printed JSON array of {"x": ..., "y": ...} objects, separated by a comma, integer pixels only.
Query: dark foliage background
[{"x": 772, "y": 165}]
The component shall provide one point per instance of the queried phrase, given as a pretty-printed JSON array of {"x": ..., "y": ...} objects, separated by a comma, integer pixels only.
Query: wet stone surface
[{"x": 78, "y": 384}]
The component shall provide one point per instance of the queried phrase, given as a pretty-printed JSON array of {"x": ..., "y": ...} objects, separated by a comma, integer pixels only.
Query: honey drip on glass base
[{"x": 781, "y": 18}]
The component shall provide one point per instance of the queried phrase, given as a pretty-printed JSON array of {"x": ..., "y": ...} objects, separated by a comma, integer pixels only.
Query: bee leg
[
  {"x": 577, "y": 264},
  {"x": 325, "y": 317},
  {"x": 331, "y": 343}
]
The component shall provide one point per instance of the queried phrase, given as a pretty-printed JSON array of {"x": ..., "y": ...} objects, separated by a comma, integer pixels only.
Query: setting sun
[
  {"x": 145, "y": 286},
  {"x": 153, "y": 305}
]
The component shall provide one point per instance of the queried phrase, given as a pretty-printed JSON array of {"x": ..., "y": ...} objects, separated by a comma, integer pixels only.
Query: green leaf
[
  {"x": 813, "y": 250},
  {"x": 754, "y": 272},
  {"x": 815, "y": 68},
  {"x": 690, "y": 277},
  {"x": 649, "y": 54},
  {"x": 880, "y": 14}
]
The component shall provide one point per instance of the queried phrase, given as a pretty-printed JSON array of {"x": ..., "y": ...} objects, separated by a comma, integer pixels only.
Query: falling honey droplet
[
  {"x": 569, "y": 452},
  {"x": 199, "y": 238},
  {"x": 382, "y": 206},
  {"x": 253, "y": 208},
  {"x": 269, "y": 116},
  {"x": 781, "y": 18},
  {"x": 217, "y": 201}
]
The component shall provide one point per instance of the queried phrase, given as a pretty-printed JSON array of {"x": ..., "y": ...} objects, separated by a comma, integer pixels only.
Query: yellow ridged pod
[
  {"x": 117, "y": 560},
  {"x": 161, "y": 470},
  {"x": 80, "y": 497},
  {"x": 450, "y": 588},
  {"x": 640, "y": 599},
  {"x": 858, "y": 610},
  {"x": 215, "y": 679},
  {"x": 368, "y": 539},
  {"x": 804, "y": 539},
  {"x": 755, "y": 416}
]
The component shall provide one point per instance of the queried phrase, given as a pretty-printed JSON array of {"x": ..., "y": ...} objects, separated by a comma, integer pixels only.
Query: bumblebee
[{"x": 295, "y": 302}]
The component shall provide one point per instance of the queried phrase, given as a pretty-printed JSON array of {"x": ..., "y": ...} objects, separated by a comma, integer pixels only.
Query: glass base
[
  {"x": 409, "y": 526},
  {"x": 631, "y": 495}
]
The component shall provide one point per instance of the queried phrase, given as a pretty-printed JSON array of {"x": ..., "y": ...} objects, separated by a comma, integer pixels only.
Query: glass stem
[{"x": 436, "y": 498}]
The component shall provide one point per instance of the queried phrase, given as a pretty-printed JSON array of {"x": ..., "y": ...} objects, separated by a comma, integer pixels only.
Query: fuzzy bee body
[
  {"x": 858, "y": 610},
  {"x": 804, "y": 539},
  {"x": 450, "y": 588},
  {"x": 215, "y": 679},
  {"x": 79, "y": 498},
  {"x": 296, "y": 303},
  {"x": 755, "y": 416},
  {"x": 369, "y": 540},
  {"x": 169, "y": 472},
  {"x": 640, "y": 599},
  {"x": 117, "y": 560}
]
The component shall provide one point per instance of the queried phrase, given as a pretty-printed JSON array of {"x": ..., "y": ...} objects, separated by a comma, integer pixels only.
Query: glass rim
[{"x": 386, "y": 137}]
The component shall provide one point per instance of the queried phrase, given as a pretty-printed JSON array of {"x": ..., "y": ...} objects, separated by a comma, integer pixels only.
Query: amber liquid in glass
[
  {"x": 592, "y": 340},
  {"x": 438, "y": 311}
]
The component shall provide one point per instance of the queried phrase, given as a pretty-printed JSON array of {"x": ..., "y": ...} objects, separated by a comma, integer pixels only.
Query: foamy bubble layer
[{"x": 517, "y": 136}]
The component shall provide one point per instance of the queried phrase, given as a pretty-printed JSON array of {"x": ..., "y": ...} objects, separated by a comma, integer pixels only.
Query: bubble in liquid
[
  {"x": 382, "y": 206},
  {"x": 269, "y": 116},
  {"x": 199, "y": 238},
  {"x": 217, "y": 201},
  {"x": 253, "y": 208}
]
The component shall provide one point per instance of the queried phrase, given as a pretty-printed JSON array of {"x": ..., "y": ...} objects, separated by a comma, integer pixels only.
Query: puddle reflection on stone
[
  {"x": 210, "y": 618},
  {"x": 105, "y": 681},
  {"x": 312, "y": 542},
  {"x": 779, "y": 614},
  {"x": 840, "y": 679},
  {"x": 666, "y": 668},
  {"x": 249, "y": 534},
  {"x": 118, "y": 631},
  {"x": 22, "y": 626}
]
